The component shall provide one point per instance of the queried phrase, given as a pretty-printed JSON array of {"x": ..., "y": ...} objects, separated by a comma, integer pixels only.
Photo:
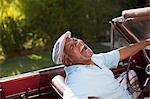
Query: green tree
[{"x": 29, "y": 24}]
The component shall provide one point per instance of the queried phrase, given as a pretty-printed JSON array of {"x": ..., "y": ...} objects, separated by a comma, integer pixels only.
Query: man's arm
[{"x": 132, "y": 49}]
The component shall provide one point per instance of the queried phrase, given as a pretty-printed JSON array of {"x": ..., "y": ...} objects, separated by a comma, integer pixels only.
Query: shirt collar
[{"x": 70, "y": 69}]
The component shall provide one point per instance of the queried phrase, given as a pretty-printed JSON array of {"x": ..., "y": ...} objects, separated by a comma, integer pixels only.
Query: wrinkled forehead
[
  {"x": 69, "y": 42},
  {"x": 68, "y": 39}
]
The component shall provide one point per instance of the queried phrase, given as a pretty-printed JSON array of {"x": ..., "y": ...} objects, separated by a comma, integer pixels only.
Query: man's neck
[{"x": 90, "y": 62}]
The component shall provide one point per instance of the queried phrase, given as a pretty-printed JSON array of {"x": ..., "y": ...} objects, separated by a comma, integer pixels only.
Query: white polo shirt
[{"x": 85, "y": 81}]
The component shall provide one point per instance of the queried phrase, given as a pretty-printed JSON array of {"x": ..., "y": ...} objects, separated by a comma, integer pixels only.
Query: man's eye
[{"x": 74, "y": 39}]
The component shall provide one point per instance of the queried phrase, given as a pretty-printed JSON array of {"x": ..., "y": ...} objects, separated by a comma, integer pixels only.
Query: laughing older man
[{"x": 88, "y": 75}]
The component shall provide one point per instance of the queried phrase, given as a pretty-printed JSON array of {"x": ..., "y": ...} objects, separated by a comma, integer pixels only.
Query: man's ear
[{"x": 67, "y": 60}]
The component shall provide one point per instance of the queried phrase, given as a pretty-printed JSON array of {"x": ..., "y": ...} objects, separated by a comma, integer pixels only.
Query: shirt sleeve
[{"x": 109, "y": 59}]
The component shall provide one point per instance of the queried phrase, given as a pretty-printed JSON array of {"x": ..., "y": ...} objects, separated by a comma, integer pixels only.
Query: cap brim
[{"x": 59, "y": 47}]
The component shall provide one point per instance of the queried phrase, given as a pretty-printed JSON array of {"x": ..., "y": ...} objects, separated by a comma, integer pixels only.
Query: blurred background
[{"x": 29, "y": 28}]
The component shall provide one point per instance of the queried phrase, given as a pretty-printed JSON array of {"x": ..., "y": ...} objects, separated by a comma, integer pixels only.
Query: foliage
[
  {"x": 27, "y": 24},
  {"x": 22, "y": 64}
]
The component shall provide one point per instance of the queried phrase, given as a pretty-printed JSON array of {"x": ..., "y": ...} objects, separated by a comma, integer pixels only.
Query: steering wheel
[
  {"x": 129, "y": 85},
  {"x": 147, "y": 70},
  {"x": 146, "y": 56}
]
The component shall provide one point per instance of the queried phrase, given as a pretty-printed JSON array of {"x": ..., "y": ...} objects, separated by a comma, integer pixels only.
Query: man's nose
[{"x": 79, "y": 42}]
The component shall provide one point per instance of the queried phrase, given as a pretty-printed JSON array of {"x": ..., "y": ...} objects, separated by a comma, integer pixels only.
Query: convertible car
[{"x": 132, "y": 27}]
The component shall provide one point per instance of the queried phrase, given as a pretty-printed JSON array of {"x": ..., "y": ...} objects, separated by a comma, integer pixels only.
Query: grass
[{"x": 22, "y": 64}]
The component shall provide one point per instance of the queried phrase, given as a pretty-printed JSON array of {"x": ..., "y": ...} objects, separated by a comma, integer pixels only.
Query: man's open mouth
[{"x": 83, "y": 48}]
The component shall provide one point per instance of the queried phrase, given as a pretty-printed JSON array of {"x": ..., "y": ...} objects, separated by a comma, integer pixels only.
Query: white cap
[{"x": 59, "y": 47}]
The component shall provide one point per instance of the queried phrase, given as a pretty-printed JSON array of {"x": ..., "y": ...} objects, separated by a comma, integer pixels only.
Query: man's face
[{"x": 77, "y": 51}]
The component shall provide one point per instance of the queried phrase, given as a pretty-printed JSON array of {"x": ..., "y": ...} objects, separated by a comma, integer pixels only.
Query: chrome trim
[
  {"x": 24, "y": 92},
  {"x": 119, "y": 19},
  {"x": 32, "y": 93},
  {"x": 18, "y": 76},
  {"x": 29, "y": 73}
]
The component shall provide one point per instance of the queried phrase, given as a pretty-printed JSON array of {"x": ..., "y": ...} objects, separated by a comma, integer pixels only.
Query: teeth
[{"x": 81, "y": 48}]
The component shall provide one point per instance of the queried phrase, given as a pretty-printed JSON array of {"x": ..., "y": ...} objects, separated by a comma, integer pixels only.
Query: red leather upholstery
[
  {"x": 20, "y": 84},
  {"x": 58, "y": 83}
]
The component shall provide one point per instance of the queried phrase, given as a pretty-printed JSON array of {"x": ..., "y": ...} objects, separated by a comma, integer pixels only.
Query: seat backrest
[{"x": 59, "y": 85}]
